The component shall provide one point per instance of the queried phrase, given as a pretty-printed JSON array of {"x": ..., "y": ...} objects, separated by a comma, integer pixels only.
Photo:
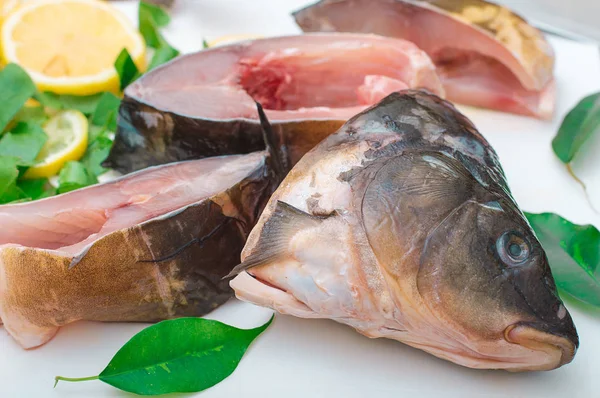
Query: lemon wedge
[
  {"x": 6, "y": 6},
  {"x": 67, "y": 140},
  {"x": 70, "y": 46},
  {"x": 230, "y": 39}
]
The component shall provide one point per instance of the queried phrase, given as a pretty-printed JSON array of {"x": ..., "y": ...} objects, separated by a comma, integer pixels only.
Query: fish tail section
[{"x": 276, "y": 235}]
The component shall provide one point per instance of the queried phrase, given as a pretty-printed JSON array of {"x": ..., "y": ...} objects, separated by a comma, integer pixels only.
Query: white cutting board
[{"x": 318, "y": 358}]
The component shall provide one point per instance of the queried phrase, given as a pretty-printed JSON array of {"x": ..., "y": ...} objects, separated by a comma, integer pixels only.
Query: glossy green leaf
[
  {"x": 15, "y": 89},
  {"x": 579, "y": 125},
  {"x": 106, "y": 112},
  {"x": 24, "y": 141},
  {"x": 181, "y": 355},
  {"x": 573, "y": 252},
  {"x": 73, "y": 176},
  {"x": 96, "y": 153},
  {"x": 84, "y": 104},
  {"x": 126, "y": 69}
]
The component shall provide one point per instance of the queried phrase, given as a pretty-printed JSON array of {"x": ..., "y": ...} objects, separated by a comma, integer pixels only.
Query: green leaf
[
  {"x": 126, "y": 69},
  {"x": 96, "y": 153},
  {"x": 36, "y": 189},
  {"x": 96, "y": 131},
  {"x": 181, "y": 355},
  {"x": 150, "y": 18},
  {"x": 14, "y": 195},
  {"x": 10, "y": 191},
  {"x": 31, "y": 114},
  {"x": 573, "y": 252},
  {"x": 8, "y": 179},
  {"x": 103, "y": 122},
  {"x": 156, "y": 13},
  {"x": 579, "y": 125},
  {"x": 15, "y": 89},
  {"x": 73, "y": 176},
  {"x": 84, "y": 104},
  {"x": 105, "y": 114},
  {"x": 205, "y": 44},
  {"x": 162, "y": 55},
  {"x": 24, "y": 142}
]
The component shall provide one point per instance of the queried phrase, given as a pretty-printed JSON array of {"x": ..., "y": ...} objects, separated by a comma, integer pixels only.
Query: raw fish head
[
  {"x": 402, "y": 226},
  {"x": 475, "y": 264}
]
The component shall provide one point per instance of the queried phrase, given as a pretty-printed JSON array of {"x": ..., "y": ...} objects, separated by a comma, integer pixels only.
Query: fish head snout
[{"x": 557, "y": 343}]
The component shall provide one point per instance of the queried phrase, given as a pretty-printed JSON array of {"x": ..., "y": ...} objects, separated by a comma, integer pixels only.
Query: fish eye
[{"x": 513, "y": 248}]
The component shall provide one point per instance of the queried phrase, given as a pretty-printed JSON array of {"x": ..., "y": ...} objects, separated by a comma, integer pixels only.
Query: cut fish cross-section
[
  {"x": 149, "y": 246},
  {"x": 486, "y": 55},
  {"x": 202, "y": 104}
]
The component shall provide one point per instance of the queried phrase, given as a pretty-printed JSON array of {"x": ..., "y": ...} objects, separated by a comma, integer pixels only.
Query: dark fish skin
[
  {"x": 402, "y": 226},
  {"x": 147, "y": 137}
]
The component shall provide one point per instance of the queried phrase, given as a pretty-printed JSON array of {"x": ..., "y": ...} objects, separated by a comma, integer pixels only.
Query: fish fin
[
  {"x": 278, "y": 156},
  {"x": 278, "y": 230}
]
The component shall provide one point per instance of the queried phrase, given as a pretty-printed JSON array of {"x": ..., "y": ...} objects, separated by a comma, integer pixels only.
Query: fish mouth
[{"x": 554, "y": 349}]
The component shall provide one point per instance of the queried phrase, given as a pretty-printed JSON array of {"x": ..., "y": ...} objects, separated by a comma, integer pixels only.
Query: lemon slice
[
  {"x": 6, "y": 6},
  {"x": 67, "y": 140},
  {"x": 70, "y": 46},
  {"x": 230, "y": 39}
]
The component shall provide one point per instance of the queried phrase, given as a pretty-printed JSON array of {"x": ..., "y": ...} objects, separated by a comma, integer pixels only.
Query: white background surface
[
  {"x": 318, "y": 358},
  {"x": 576, "y": 16}
]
